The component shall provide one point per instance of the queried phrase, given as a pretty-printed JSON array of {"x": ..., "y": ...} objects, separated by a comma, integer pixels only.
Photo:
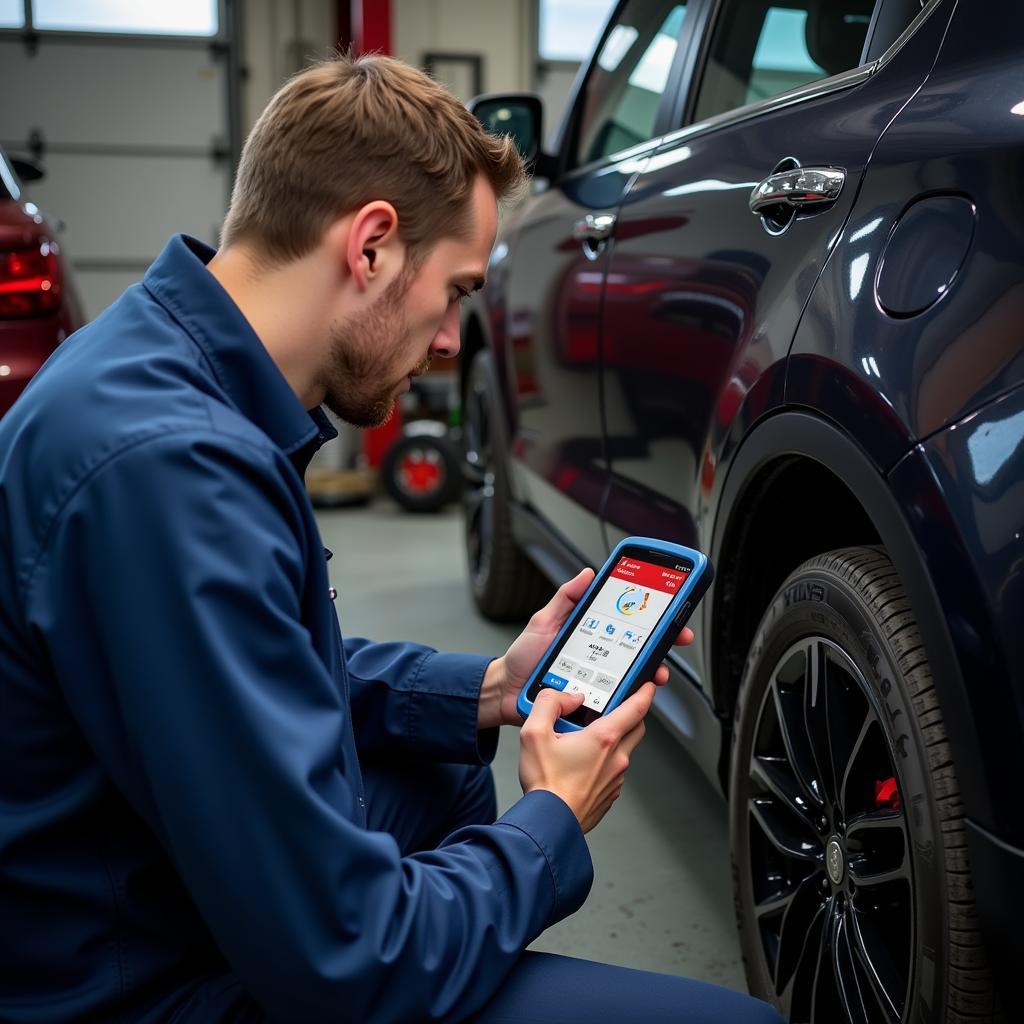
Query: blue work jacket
[{"x": 182, "y": 819}]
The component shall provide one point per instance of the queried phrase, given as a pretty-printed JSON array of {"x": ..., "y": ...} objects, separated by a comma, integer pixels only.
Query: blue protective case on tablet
[{"x": 656, "y": 646}]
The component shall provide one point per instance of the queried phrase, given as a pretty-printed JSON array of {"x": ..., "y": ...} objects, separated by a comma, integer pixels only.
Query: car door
[
  {"x": 558, "y": 259},
  {"x": 703, "y": 295}
]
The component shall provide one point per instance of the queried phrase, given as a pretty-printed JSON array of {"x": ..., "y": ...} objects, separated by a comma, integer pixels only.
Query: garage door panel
[
  {"x": 125, "y": 208},
  {"x": 132, "y": 131},
  {"x": 97, "y": 289},
  {"x": 91, "y": 94}
]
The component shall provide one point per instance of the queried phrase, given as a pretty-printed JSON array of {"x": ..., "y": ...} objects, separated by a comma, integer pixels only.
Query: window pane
[
  {"x": 781, "y": 60},
  {"x": 12, "y": 13},
  {"x": 569, "y": 28},
  {"x": 760, "y": 50},
  {"x": 623, "y": 92},
  {"x": 165, "y": 17}
]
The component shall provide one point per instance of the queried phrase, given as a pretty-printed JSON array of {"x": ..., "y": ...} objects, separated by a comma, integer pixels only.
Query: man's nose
[{"x": 448, "y": 340}]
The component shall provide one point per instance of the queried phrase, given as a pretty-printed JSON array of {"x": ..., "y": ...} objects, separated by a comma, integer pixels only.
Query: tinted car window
[
  {"x": 761, "y": 48},
  {"x": 624, "y": 88}
]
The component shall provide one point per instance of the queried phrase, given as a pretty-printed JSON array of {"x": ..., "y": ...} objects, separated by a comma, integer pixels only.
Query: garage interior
[{"x": 138, "y": 127}]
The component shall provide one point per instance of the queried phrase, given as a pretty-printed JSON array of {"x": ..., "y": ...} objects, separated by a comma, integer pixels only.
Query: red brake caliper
[
  {"x": 420, "y": 474},
  {"x": 887, "y": 795}
]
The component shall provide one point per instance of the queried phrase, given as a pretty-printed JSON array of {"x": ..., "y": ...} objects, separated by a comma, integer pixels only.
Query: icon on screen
[
  {"x": 629, "y": 635},
  {"x": 610, "y": 629},
  {"x": 591, "y": 623},
  {"x": 632, "y": 600}
]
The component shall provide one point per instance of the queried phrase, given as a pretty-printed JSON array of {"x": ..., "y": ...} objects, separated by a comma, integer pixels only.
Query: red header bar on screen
[{"x": 646, "y": 574}]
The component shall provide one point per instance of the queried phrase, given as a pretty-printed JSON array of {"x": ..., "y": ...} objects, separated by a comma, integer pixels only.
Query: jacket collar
[{"x": 180, "y": 282}]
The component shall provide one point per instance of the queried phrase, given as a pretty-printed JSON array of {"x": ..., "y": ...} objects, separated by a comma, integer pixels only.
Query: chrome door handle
[
  {"x": 802, "y": 188},
  {"x": 594, "y": 227}
]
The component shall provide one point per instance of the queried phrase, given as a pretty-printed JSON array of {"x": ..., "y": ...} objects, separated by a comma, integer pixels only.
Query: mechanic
[{"x": 213, "y": 807}]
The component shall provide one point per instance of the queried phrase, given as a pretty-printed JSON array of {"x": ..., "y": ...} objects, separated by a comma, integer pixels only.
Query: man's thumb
[{"x": 551, "y": 704}]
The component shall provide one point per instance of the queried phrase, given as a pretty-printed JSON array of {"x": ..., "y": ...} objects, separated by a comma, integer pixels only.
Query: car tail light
[{"x": 29, "y": 280}]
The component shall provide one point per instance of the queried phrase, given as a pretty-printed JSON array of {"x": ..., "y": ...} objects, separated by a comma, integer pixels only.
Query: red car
[{"x": 38, "y": 305}]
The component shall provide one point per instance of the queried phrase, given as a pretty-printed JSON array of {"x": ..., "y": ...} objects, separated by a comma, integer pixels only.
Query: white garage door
[{"x": 134, "y": 126}]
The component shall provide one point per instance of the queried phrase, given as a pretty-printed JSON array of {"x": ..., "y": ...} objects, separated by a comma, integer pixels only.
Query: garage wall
[
  {"x": 125, "y": 167},
  {"x": 279, "y": 37},
  {"x": 499, "y": 31},
  {"x": 502, "y": 32}
]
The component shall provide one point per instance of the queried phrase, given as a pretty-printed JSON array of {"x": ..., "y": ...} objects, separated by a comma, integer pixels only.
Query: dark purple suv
[{"x": 767, "y": 300}]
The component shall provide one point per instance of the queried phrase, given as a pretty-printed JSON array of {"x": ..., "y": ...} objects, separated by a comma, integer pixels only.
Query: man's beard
[{"x": 366, "y": 350}]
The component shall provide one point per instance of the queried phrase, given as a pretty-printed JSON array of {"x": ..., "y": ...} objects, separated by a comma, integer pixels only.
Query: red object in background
[
  {"x": 377, "y": 440},
  {"x": 38, "y": 309},
  {"x": 370, "y": 23},
  {"x": 29, "y": 280},
  {"x": 420, "y": 473},
  {"x": 366, "y": 25}
]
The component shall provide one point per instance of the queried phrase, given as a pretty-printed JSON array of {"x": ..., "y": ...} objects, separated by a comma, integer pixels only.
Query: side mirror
[
  {"x": 26, "y": 169},
  {"x": 520, "y": 115}
]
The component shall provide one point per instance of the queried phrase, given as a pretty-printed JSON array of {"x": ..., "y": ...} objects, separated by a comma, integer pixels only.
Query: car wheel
[
  {"x": 853, "y": 892},
  {"x": 505, "y": 583},
  {"x": 421, "y": 470}
]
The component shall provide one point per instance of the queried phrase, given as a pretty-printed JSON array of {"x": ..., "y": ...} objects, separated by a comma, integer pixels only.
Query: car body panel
[
  {"x": 971, "y": 533},
  {"x": 891, "y": 380},
  {"x": 701, "y": 301},
  {"x": 551, "y": 346},
  {"x": 552, "y": 308},
  {"x": 963, "y": 490}
]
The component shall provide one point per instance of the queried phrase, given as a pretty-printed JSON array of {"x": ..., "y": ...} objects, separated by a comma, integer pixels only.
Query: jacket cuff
[
  {"x": 549, "y": 822},
  {"x": 446, "y": 728}
]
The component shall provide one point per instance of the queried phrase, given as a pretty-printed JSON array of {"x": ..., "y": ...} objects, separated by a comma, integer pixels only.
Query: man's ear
[{"x": 373, "y": 244}]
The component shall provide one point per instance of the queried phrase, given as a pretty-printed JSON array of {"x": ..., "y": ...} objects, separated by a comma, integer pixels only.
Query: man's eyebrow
[{"x": 477, "y": 282}]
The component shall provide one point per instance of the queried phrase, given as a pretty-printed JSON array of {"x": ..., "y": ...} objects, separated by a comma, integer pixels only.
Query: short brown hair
[{"x": 350, "y": 130}]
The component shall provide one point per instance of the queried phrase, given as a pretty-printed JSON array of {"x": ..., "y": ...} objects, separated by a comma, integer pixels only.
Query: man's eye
[{"x": 460, "y": 294}]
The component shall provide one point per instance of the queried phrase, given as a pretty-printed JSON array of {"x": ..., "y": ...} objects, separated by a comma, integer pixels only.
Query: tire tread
[{"x": 870, "y": 575}]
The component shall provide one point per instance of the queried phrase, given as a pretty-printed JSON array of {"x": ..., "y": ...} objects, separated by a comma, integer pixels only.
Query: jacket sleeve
[
  {"x": 409, "y": 698},
  {"x": 174, "y": 575}
]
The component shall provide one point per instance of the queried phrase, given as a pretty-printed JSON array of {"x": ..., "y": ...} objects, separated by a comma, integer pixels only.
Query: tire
[
  {"x": 505, "y": 584},
  {"x": 849, "y": 847},
  {"x": 421, "y": 472}
]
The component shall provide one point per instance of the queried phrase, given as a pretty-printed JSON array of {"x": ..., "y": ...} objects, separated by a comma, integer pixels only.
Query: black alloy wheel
[
  {"x": 853, "y": 892},
  {"x": 829, "y": 857},
  {"x": 505, "y": 584}
]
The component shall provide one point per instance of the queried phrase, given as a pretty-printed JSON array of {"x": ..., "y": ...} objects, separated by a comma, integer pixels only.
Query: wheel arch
[{"x": 857, "y": 507}]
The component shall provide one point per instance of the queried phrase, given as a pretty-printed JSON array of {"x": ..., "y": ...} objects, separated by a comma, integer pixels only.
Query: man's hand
[
  {"x": 586, "y": 769},
  {"x": 505, "y": 676}
]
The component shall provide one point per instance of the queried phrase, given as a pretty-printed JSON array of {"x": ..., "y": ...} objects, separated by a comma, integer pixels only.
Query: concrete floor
[{"x": 662, "y": 897}]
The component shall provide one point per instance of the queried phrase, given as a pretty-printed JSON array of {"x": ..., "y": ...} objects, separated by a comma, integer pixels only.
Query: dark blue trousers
[{"x": 422, "y": 803}]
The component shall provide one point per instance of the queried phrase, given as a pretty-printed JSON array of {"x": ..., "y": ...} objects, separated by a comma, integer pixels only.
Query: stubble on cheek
[{"x": 359, "y": 382}]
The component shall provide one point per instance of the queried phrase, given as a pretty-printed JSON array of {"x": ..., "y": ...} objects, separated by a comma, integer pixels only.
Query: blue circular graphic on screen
[{"x": 632, "y": 600}]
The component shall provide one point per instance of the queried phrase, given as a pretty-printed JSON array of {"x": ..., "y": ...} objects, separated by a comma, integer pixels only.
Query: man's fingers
[
  {"x": 549, "y": 706},
  {"x": 632, "y": 739},
  {"x": 631, "y": 712},
  {"x": 685, "y": 638}
]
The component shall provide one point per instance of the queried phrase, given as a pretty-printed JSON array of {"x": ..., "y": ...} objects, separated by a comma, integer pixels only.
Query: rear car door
[
  {"x": 703, "y": 296},
  {"x": 557, "y": 265}
]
